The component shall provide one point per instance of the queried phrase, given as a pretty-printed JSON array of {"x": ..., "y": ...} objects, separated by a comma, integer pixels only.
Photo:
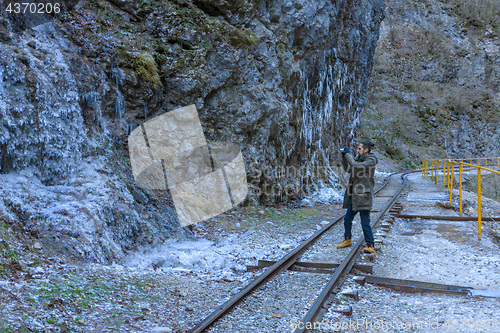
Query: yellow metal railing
[{"x": 448, "y": 170}]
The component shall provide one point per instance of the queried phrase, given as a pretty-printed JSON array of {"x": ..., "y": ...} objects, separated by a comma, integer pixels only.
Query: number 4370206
[
  {"x": 468, "y": 323},
  {"x": 33, "y": 8}
]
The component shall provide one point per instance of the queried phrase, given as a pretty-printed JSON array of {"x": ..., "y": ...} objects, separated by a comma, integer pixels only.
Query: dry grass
[{"x": 477, "y": 13}]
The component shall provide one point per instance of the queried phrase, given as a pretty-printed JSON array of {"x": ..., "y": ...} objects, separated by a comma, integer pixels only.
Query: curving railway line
[{"x": 325, "y": 240}]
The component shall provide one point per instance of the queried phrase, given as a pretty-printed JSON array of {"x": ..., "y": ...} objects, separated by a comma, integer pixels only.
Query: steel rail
[
  {"x": 346, "y": 265},
  {"x": 283, "y": 264},
  {"x": 446, "y": 218}
]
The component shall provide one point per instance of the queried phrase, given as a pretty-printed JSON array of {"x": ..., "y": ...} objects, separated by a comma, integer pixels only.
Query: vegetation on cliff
[{"x": 434, "y": 90}]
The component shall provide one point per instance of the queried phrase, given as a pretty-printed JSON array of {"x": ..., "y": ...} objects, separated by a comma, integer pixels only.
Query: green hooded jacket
[{"x": 361, "y": 182}]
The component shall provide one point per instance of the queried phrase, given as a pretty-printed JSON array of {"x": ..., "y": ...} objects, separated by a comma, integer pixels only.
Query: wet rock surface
[{"x": 283, "y": 79}]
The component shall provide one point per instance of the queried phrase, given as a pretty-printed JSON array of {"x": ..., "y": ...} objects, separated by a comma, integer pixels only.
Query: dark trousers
[{"x": 365, "y": 223}]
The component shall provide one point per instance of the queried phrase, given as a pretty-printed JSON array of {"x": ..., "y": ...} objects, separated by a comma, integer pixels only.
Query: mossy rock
[
  {"x": 145, "y": 66},
  {"x": 241, "y": 37}
]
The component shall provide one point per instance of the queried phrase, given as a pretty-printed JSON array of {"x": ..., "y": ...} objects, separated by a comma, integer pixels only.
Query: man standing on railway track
[{"x": 358, "y": 196}]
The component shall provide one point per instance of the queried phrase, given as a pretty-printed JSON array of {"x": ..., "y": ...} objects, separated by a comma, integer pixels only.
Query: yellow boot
[
  {"x": 369, "y": 249},
  {"x": 346, "y": 243}
]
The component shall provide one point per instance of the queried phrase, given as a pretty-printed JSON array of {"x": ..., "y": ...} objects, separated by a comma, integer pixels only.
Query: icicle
[
  {"x": 120, "y": 105},
  {"x": 118, "y": 76}
]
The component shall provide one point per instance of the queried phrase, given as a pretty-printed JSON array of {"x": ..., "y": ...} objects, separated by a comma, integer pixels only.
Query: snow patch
[
  {"x": 72, "y": 206},
  {"x": 221, "y": 260},
  {"x": 325, "y": 195},
  {"x": 382, "y": 174}
]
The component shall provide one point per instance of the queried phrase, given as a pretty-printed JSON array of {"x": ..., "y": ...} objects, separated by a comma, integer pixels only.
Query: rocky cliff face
[
  {"x": 283, "y": 79},
  {"x": 435, "y": 88}
]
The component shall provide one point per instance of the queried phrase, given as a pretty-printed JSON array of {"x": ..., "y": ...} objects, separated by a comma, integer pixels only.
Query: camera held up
[{"x": 344, "y": 150}]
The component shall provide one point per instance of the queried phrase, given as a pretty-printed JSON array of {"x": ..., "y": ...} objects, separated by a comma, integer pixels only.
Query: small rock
[
  {"x": 82, "y": 322},
  {"x": 306, "y": 203},
  {"x": 162, "y": 330},
  {"x": 445, "y": 204},
  {"x": 346, "y": 310},
  {"x": 369, "y": 257},
  {"x": 37, "y": 246}
]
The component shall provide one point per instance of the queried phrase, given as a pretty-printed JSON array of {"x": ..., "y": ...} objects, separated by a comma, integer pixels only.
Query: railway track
[
  {"x": 322, "y": 302},
  {"x": 385, "y": 198}
]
